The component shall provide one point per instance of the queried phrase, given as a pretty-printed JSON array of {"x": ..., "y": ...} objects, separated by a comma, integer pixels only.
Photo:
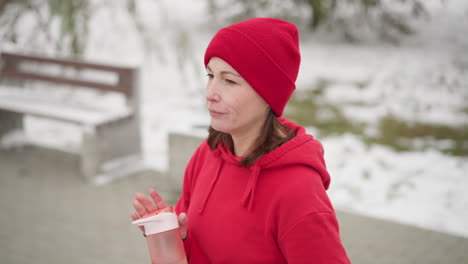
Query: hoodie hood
[{"x": 303, "y": 150}]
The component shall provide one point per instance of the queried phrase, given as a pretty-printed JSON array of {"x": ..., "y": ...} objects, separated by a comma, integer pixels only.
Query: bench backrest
[{"x": 13, "y": 67}]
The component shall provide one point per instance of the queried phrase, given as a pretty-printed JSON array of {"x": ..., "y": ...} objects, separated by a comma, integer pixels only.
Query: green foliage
[
  {"x": 73, "y": 16},
  {"x": 131, "y": 7},
  {"x": 392, "y": 130},
  {"x": 308, "y": 108},
  {"x": 351, "y": 17},
  {"x": 321, "y": 10}
]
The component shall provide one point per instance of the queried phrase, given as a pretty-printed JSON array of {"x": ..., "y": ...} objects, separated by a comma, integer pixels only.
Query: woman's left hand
[{"x": 143, "y": 205}]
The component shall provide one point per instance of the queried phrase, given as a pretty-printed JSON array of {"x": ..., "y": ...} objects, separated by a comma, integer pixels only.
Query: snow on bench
[{"x": 39, "y": 105}]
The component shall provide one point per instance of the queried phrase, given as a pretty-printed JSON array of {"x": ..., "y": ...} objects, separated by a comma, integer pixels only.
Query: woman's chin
[{"x": 218, "y": 126}]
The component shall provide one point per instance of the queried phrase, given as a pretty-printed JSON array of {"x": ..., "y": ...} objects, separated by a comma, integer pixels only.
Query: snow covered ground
[{"x": 424, "y": 79}]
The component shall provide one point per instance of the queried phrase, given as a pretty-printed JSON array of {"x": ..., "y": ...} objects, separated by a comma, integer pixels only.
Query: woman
[{"x": 254, "y": 191}]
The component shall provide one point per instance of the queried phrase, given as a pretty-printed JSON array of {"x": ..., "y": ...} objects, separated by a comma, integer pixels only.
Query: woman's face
[{"x": 234, "y": 106}]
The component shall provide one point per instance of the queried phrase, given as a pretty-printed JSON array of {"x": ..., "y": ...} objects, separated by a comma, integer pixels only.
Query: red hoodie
[{"x": 275, "y": 211}]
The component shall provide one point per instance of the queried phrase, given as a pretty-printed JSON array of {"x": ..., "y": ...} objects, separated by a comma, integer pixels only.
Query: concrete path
[{"x": 49, "y": 215}]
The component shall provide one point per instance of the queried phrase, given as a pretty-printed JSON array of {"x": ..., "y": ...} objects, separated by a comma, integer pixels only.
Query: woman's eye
[
  {"x": 209, "y": 75},
  {"x": 230, "y": 81}
]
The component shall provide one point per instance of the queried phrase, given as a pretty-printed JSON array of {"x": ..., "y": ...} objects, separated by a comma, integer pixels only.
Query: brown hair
[{"x": 272, "y": 135}]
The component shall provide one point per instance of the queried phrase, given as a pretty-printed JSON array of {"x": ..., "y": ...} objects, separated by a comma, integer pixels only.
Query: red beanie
[{"x": 265, "y": 52}]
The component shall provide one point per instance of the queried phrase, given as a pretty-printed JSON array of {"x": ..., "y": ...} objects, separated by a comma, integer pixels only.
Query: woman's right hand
[{"x": 143, "y": 205}]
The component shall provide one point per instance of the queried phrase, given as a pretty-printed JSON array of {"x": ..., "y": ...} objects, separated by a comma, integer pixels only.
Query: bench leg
[
  {"x": 10, "y": 121},
  {"x": 108, "y": 147}
]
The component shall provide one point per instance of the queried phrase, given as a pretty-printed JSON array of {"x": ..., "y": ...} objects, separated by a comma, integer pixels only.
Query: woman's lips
[{"x": 215, "y": 114}]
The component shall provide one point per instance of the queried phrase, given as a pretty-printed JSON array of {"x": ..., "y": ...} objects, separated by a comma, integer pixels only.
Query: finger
[
  {"x": 158, "y": 200},
  {"x": 139, "y": 208},
  {"x": 166, "y": 209},
  {"x": 183, "y": 220},
  {"x": 134, "y": 217},
  {"x": 146, "y": 202}
]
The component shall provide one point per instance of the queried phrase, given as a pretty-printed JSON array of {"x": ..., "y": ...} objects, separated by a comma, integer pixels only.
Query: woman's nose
[{"x": 212, "y": 93}]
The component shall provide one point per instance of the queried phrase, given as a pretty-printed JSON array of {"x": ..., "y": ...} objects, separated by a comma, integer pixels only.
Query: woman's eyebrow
[
  {"x": 223, "y": 72},
  {"x": 228, "y": 72}
]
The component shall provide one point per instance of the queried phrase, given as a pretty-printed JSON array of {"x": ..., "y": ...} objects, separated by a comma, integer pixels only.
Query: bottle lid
[{"x": 158, "y": 221}]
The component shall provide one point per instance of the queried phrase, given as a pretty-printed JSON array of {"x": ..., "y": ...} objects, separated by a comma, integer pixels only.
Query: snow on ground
[
  {"x": 426, "y": 189},
  {"x": 423, "y": 81}
]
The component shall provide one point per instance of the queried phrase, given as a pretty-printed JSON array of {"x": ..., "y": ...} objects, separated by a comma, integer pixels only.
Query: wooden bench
[{"x": 110, "y": 138}]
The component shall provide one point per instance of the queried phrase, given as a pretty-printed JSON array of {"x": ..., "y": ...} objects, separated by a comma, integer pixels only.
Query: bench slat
[
  {"x": 66, "y": 62},
  {"x": 78, "y": 114},
  {"x": 61, "y": 80},
  {"x": 12, "y": 69}
]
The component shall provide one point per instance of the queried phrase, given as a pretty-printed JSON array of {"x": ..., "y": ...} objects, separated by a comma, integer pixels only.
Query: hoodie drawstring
[{"x": 249, "y": 193}]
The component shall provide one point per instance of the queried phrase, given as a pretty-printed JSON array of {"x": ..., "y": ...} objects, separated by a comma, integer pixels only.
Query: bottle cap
[{"x": 159, "y": 221}]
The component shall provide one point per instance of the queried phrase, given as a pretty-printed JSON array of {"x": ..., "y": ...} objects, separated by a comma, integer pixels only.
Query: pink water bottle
[{"x": 163, "y": 237}]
